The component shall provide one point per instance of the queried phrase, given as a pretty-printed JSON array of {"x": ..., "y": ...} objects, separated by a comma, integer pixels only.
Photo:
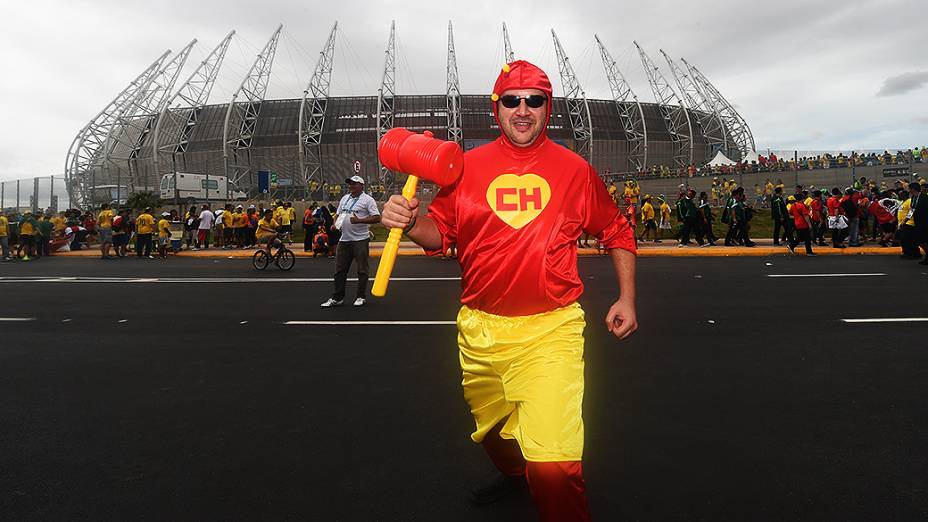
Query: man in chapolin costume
[{"x": 515, "y": 215}]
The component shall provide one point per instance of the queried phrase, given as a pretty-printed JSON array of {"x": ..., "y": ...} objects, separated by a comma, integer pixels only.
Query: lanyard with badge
[{"x": 343, "y": 213}]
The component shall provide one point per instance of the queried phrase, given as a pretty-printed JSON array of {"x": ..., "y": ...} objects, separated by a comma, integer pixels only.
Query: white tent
[
  {"x": 720, "y": 159},
  {"x": 751, "y": 156}
]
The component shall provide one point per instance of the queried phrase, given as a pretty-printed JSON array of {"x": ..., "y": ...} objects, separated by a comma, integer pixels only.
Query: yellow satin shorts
[{"x": 529, "y": 369}]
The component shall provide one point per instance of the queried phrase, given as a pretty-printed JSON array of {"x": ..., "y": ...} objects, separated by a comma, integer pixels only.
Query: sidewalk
[{"x": 668, "y": 248}]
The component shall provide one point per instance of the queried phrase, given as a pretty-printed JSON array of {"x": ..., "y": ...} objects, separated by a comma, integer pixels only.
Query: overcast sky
[{"x": 822, "y": 75}]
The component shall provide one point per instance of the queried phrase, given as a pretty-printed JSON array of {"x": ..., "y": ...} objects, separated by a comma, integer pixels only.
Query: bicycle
[{"x": 284, "y": 258}]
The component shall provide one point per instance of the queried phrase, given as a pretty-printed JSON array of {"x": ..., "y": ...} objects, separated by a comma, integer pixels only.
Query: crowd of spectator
[
  {"x": 774, "y": 163},
  {"x": 864, "y": 212},
  {"x": 28, "y": 236}
]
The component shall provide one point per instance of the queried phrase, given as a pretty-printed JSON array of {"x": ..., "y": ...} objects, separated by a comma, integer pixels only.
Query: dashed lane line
[
  {"x": 367, "y": 323},
  {"x": 888, "y": 320},
  {"x": 873, "y": 274},
  {"x": 44, "y": 279}
]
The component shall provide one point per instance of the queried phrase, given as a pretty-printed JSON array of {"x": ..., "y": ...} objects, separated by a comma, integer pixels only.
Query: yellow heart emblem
[{"x": 518, "y": 200}]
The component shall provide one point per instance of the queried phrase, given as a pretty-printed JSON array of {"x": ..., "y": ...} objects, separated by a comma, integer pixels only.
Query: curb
[{"x": 719, "y": 251}]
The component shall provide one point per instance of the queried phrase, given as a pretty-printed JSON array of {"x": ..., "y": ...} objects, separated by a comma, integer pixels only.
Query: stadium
[{"x": 160, "y": 125}]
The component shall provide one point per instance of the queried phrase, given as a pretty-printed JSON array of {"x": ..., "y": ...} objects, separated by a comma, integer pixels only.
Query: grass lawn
[{"x": 761, "y": 225}]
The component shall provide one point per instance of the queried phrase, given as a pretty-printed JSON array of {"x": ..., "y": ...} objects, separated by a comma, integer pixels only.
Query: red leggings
[{"x": 557, "y": 487}]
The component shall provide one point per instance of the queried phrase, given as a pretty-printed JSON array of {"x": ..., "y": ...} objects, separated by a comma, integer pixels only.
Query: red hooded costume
[
  {"x": 516, "y": 212},
  {"x": 515, "y": 215}
]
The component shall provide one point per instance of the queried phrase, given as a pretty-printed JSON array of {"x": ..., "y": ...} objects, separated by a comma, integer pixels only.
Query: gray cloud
[
  {"x": 792, "y": 73},
  {"x": 903, "y": 83}
]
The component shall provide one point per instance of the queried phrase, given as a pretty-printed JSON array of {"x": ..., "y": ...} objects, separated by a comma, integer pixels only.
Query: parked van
[{"x": 200, "y": 187}]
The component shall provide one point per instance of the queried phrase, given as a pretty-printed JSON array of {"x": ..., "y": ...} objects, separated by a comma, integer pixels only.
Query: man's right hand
[{"x": 398, "y": 213}]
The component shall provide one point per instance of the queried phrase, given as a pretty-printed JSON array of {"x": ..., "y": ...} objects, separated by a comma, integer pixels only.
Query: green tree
[{"x": 141, "y": 200}]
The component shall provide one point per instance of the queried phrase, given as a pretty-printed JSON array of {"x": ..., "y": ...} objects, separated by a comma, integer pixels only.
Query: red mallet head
[{"x": 421, "y": 155}]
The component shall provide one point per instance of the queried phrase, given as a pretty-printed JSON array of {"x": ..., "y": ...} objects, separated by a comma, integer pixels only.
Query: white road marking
[
  {"x": 367, "y": 323},
  {"x": 16, "y": 319},
  {"x": 873, "y": 274},
  {"x": 889, "y": 320},
  {"x": 197, "y": 280}
]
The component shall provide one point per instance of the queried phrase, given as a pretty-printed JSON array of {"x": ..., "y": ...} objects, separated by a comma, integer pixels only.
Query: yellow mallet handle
[{"x": 385, "y": 268}]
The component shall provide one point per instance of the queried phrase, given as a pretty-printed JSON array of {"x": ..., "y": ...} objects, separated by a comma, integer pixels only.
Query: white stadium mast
[
  {"x": 577, "y": 106},
  {"x": 510, "y": 56},
  {"x": 181, "y": 112},
  {"x": 85, "y": 157},
  {"x": 631, "y": 116},
  {"x": 734, "y": 124},
  {"x": 453, "y": 93},
  {"x": 236, "y": 142},
  {"x": 674, "y": 113},
  {"x": 385, "y": 97},
  {"x": 139, "y": 115},
  {"x": 713, "y": 131},
  {"x": 312, "y": 114}
]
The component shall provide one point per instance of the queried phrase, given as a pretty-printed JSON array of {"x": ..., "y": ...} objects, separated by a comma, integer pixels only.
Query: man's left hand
[
  {"x": 354, "y": 219},
  {"x": 622, "y": 319}
]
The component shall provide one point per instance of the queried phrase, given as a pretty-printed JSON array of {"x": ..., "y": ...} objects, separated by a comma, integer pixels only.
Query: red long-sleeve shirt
[{"x": 515, "y": 215}]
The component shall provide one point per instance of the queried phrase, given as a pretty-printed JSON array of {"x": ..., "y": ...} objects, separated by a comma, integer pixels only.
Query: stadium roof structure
[{"x": 151, "y": 130}]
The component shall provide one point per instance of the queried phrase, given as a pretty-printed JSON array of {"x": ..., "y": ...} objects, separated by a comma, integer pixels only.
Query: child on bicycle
[{"x": 267, "y": 231}]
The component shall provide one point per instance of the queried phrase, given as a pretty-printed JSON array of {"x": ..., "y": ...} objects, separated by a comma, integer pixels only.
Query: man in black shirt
[
  {"x": 780, "y": 217},
  {"x": 849, "y": 206},
  {"x": 688, "y": 213},
  {"x": 920, "y": 215},
  {"x": 741, "y": 215},
  {"x": 705, "y": 219}
]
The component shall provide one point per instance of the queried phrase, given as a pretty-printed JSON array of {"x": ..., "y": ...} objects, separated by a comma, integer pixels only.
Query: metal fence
[{"x": 41, "y": 193}]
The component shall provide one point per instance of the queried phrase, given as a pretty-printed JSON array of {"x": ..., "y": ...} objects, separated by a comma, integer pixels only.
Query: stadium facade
[
  {"x": 153, "y": 129},
  {"x": 350, "y": 135}
]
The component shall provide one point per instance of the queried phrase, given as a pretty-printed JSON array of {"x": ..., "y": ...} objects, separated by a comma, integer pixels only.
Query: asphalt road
[{"x": 173, "y": 390}]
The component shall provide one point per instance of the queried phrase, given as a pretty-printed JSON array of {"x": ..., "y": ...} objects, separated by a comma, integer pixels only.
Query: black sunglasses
[{"x": 511, "y": 101}]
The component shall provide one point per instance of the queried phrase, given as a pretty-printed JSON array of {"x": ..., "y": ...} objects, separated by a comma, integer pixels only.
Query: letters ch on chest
[
  {"x": 518, "y": 200},
  {"x": 510, "y": 198}
]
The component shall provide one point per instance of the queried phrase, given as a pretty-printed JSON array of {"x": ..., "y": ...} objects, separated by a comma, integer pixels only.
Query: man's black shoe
[
  {"x": 923, "y": 262},
  {"x": 499, "y": 487}
]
